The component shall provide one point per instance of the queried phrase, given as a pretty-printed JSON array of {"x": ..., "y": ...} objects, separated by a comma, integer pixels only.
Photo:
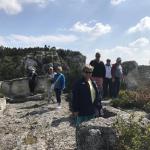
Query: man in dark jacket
[
  {"x": 32, "y": 75},
  {"x": 86, "y": 98},
  {"x": 98, "y": 74}
]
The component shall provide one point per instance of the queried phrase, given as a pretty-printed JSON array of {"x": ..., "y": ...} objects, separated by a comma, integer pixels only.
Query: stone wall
[{"x": 19, "y": 87}]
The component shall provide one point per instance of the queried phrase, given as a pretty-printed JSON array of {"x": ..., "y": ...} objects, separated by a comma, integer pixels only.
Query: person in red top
[
  {"x": 117, "y": 76},
  {"x": 99, "y": 71}
]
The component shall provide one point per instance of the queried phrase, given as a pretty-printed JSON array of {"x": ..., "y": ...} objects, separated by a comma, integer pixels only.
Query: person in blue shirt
[{"x": 59, "y": 84}]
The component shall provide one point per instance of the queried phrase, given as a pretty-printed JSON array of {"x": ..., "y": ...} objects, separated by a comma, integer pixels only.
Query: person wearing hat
[
  {"x": 108, "y": 80},
  {"x": 117, "y": 76},
  {"x": 86, "y": 100}
]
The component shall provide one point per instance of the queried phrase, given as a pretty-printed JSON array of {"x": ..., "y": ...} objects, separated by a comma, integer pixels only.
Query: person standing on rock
[
  {"x": 117, "y": 76},
  {"x": 51, "y": 75},
  {"x": 58, "y": 84},
  {"x": 32, "y": 75},
  {"x": 86, "y": 100},
  {"x": 108, "y": 80},
  {"x": 98, "y": 74}
]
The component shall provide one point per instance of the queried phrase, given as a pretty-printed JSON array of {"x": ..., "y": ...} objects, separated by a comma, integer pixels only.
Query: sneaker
[{"x": 59, "y": 106}]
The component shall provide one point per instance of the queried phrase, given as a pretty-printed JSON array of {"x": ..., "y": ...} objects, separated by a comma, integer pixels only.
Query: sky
[{"x": 115, "y": 28}]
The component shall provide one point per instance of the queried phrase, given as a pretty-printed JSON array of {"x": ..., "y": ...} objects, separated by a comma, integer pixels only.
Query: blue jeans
[{"x": 58, "y": 95}]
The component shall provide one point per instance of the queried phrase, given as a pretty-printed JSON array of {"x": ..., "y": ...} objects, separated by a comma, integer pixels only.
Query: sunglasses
[{"x": 88, "y": 72}]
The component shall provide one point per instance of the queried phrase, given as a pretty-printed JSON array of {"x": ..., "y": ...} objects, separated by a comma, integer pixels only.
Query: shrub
[
  {"x": 147, "y": 107},
  {"x": 133, "y": 99},
  {"x": 131, "y": 136}
]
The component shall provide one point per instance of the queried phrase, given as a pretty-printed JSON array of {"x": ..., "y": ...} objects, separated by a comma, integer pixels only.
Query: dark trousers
[
  {"x": 58, "y": 95},
  {"x": 107, "y": 87},
  {"x": 116, "y": 87},
  {"x": 32, "y": 86}
]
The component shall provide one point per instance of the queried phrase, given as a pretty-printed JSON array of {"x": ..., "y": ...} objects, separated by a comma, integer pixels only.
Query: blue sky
[{"x": 115, "y": 28}]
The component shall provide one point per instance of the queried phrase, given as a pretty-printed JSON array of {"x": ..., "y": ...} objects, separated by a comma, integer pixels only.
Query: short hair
[
  {"x": 87, "y": 67},
  {"x": 108, "y": 60},
  {"x": 98, "y": 54}
]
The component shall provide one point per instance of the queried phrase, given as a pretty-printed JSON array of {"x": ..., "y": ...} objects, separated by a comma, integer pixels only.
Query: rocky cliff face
[{"x": 136, "y": 76}]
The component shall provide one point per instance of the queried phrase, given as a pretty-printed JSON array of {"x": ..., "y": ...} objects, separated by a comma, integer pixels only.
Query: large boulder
[
  {"x": 136, "y": 76},
  {"x": 19, "y": 87},
  {"x": 96, "y": 134}
]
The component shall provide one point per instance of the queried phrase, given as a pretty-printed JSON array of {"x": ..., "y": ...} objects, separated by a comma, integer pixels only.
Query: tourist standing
[
  {"x": 51, "y": 75},
  {"x": 98, "y": 74},
  {"x": 32, "y": 76},
  {"x": 59, "y": 84},
  {"x": 86, "y": 99},
  {"x": 117, "y": 76},
  {"x": 108, "y": 80}
]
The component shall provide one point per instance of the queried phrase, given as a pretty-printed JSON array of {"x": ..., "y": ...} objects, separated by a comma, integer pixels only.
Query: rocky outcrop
[
  {"x": 136, "y": 76},
  {"x": 37, "y": 125},
  {"x": 99, "y": 133},
  {"x": 19, "y": 87}
]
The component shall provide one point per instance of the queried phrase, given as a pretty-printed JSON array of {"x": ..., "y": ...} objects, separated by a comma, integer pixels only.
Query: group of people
[
  {"x": 107, "y": 76},
  {"x": 56, "y": 82},
  {"x": 98, "y": 81}
]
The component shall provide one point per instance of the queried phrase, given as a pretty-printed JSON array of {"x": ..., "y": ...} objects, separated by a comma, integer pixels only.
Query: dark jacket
[
  {"x": 82, "y": 101},
  {"x": 99, "y": 69}
]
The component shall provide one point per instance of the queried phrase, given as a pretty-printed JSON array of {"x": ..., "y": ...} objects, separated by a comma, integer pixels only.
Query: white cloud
[
  {"x": 25, "y": 41},
  {"x": 143, "y": 25},
  {"x": 116, "y": 2},
  {"x": 141, "y": 42},
  {"x": 2, "y": 41},
  {"x": 95, "y": 31},
  {"x": 13, "y": 7},
  {"x": 138, "y": 50}
]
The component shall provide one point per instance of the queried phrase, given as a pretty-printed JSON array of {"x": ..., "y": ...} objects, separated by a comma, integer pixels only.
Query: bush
[
  {"x": 147, "y": 107},
  {"x": 133, "y": 99},
  {"x": 131, "y": 136}
]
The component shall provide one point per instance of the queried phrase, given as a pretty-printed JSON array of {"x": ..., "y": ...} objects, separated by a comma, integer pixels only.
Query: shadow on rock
[
  {"x": 40, "y": 112},
  {"x": 56, "y": 122},
  {"x": 33, "y": 106}
]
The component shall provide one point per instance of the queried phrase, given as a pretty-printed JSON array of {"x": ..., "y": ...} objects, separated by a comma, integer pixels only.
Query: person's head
[
  {"x": 108, "y": 61},
  {"x": 87, "y": 71},
  {"x": 58, "y": 69},
  {"x": 118, "y": 60},
  {"x": 97, "y": 56},
  {"x": 50, "y": 69}
]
